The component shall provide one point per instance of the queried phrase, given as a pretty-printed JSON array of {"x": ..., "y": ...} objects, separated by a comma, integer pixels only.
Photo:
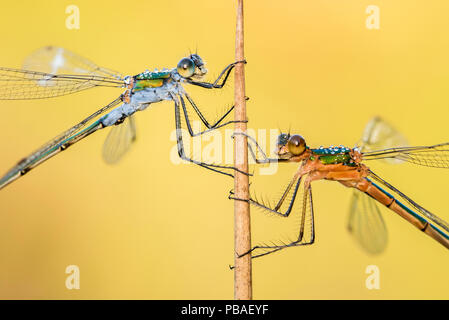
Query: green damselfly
[{"x": 67, "y": 73}]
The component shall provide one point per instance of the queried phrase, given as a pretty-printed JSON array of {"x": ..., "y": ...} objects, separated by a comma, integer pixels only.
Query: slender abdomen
[
  {"x": 48, "y": 151},
  {"x": 393, "y": 204}
]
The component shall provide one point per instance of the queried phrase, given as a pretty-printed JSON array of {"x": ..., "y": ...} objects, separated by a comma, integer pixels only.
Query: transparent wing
[
  {"x": 119, "y": 140},
  {"x": 381, "y": 141},
  {"x": 436, "y": 156},
  {"x": 365, "y": 221},
  {"x": 379, "y": 134},
  {"x": 54, "y": 71},
  {"x": 57, "y": 60},
  {"x": 291, "y": 221},
  {"x": 366, "y": 224},
  {"x": 23, "y": 84}
]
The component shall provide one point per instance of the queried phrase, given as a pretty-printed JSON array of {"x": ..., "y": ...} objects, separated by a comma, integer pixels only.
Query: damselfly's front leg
[
  {"x": 264, "y": 159},
  {"x": 181, "y": 151},
  {"x": 216, "y": 84},
  {"x": 262, "y": 204}
]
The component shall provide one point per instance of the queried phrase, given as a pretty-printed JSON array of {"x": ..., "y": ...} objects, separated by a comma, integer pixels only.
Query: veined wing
[
  {"x": 381, "y": 141},
  {"x": 18, "y": 84},
  {"x": 119, "y": 140},
  {"x": 57, "y": 60},
  {"x": 58, "y": 144},
  {"x": 379, "y": 134},
  {"x": 366, "y": 224},
  {"x": 436, "y": 156}
]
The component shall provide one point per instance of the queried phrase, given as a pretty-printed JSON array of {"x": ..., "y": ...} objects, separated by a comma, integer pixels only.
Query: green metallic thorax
[
  {"x": 147, "y": 75},
  {"x": 333, "y": 155},
  {"x": 149, "y": 79}
]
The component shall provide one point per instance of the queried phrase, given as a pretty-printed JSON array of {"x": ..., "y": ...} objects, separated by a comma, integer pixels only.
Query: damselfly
[
  {"x": 347, "y": 166},
  {"x": 70, "y": 73}
]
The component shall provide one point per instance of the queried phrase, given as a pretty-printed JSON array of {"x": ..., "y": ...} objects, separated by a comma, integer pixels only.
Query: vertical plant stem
[{"x": 242, "y": 230}]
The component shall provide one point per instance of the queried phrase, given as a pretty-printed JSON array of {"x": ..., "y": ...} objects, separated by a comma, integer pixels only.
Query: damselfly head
[
  {"x": 191, "y": 67},
  {"x": 283, "y": 139},
  {"x": 290, "y": 145}
]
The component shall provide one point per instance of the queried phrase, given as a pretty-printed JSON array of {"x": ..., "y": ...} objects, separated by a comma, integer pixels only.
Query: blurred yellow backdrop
[{"x": 149, "y": 229}]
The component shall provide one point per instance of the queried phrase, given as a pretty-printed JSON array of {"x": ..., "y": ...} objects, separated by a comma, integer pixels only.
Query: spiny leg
[
  {"x": 216, "y": 84},
  {"x": 181, "y": 151},
  {"x": 275, "y": 210},
  {"x": 217, "y": 125},
  {"x": 307, "y": 201},
  {"x": 209, "y": 127}
]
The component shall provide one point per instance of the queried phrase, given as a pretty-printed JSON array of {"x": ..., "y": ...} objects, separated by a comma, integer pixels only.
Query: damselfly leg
[
  {"x": 223, "y": 76},
  {"x": 209, "y": 127},
  {"x": 181, "y": 152},
  {"x": 259, "y": 150},
  {"x": 298, "y": 187}
]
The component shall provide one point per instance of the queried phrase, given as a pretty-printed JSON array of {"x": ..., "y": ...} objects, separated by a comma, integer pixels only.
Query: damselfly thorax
[
  {"x": 143, "y": 91},
  {"x": 332, "y": 163}
]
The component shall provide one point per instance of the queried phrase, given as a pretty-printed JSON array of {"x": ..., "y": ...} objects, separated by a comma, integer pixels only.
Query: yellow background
[{"x": 148, "y": 229}]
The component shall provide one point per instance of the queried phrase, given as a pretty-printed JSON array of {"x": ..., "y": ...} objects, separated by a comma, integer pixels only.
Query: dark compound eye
[
  {"x": 186, "y": 67},
  {"x": 296, "y": 145},
  {"x": 196, "y": 59},
  {"x": 282, "y": 139}
]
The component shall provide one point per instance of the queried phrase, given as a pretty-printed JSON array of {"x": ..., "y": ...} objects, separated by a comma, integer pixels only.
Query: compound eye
[
  {"x": 296, "y": 145},
  {"x": 282, "y": 139},
  {"x": 186, "y": 67}
]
